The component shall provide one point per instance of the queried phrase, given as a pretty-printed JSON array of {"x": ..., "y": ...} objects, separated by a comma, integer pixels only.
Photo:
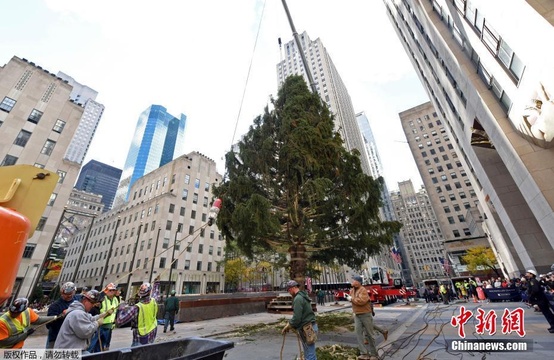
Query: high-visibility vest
[
  {"x": 14, "y": 326},
  {"x": 109, "y": 304},
  {"x": 147, "y": 317}
]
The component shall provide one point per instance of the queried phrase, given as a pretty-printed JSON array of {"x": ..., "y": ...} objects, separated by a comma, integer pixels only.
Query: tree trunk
[{"x": 298, "y": 263}]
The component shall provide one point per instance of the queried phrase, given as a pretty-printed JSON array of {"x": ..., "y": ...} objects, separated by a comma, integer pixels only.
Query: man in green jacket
[
  {"x": 302, "y": 315},
  {"x": 171, "y": 308}
]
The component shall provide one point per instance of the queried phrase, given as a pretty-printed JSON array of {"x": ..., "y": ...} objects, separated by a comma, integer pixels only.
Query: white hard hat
[{"x": 532, "y": 272}]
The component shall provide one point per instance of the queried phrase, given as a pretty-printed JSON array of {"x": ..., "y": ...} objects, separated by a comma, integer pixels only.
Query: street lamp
[
  {"x": 132, "y": 262},
  {"x": 109, "y": 253},
  {"x": 173, "y": 257}
]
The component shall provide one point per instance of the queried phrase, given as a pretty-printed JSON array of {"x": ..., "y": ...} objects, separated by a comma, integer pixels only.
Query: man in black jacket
[
  {"x": 171, "y": 308},
  {"x": 538, "y": 297},
  {"x": 58, "y": 308}
]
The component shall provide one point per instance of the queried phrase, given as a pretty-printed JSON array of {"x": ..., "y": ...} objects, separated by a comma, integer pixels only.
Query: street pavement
[{"x": 416, "y": 331}]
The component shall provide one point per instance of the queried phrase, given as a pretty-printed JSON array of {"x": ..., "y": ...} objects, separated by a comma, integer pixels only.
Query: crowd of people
[
  {"x": 85, "y": 321},
  {"x": 535, "y": 290}
]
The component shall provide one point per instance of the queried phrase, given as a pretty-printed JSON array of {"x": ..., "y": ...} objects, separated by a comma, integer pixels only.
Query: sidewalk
[{"x": 208, "y": 328}]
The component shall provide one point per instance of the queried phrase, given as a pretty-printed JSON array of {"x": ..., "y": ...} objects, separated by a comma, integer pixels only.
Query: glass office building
[
  {"x": 99, "y": 178},
  {"x": 158, "y": 139}
]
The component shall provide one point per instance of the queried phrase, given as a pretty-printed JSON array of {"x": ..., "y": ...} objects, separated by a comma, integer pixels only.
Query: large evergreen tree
[{"x": 292, "y": 186}]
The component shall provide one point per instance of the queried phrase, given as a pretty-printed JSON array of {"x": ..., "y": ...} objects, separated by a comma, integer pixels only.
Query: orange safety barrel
[{"x": 14, "y": 230}]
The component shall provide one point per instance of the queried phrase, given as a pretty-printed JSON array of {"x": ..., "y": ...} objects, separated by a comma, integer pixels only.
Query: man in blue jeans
[
  {"x": 103, "y": 336},
  {"x": 302, "y": 315}
]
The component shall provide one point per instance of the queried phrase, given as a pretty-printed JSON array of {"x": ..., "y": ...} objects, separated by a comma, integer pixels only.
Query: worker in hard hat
[
  {"x": 59, "y": 308},
  {"x": 171, "y": 308},
  {"x": 103, "y": 336},
  {"x": 15, "y": 324},
  {"x": 537, "y": 297},
  {"x": 79, "y": 324},
  {"x": 142, "y": 315}
]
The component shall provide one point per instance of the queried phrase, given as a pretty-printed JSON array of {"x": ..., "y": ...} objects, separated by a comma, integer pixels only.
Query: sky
[{"x": 214, "y": 61}]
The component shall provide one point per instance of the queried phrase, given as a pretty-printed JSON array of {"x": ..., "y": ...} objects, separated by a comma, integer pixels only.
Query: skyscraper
[
  {"x": 488, "y": 71},
  {"x": 85, "y": 97},
  {"x": 387, "y": 211},
  {"x": 424, "y": 241},
  {"x": 38, "y": 121},
  {"x": 330, "y": 87},
  {"x": 101, "y": 179},
  {"x": 448, "y": 186},
  {"x": 158, "y": 139}
]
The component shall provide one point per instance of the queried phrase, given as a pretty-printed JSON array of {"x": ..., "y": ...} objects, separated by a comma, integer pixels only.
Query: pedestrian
[
  {"x": 103, "y": 336},
  {"x": 537, "y": 297},
  {"x": 59, "y": 308},
  {"x": 171, "y": 308},
  {"x": 143, "y": 315},
  {"x": 303, "y": 316},
  {"x": 321, "y": 297},
  {"x": 15, "y": 324},
  {"x": 363, "y": 319},
  {"x": 444, "y": 293},
  {"x": 79, "y": 325}
]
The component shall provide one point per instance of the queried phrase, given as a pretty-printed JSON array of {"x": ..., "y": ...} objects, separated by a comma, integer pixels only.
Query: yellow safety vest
[
  {"x": 147, "y": 317},
  {"x": 13, "y": 325},
  {"x": 109, "y": 304}
]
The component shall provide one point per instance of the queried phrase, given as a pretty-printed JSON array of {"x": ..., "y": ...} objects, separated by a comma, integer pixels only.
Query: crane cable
[
  {"x": 169, "y": 248},
  {"x": 248, "y": 74}
]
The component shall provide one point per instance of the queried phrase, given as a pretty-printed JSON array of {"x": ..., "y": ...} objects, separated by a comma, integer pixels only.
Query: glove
[
  {"x": 348, "y": 297},
  {"x": 286, "y": 329},
  {"x": 29, "y": 331},
  {"x": 100, "y": 321}
]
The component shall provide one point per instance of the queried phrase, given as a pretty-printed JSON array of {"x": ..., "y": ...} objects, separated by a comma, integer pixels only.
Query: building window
[
  {"x": 467, "y": 232},
  {"x": 191, "y": 229},
  {"x": 185, "y": 194},
  {"x": 461, "y": 218},
  {"x": 442, "y": 199},
  {"x": 187, "y": 264},
  {"x": 200, "y": 248},
  {"x": 29, "y": 250},
  {"x": 193, "y": 214},
  {"x": 446, "y": 209},
  {"x": 58, "y": 126},
  {"x": 207, "y": 187},
  {"x": 162, "y": 263},
  {"x": 22, "y": 138},
  {"x": 9, "y": 160},
  {"x": 7, "y": 104},
  {"x": 52, "y": 199},
  {"x": 171, "y": 208},
  {"x": 168, "y": 225},
  {"x": 48, "y": 147},
  {"x": 451, "y": 220},
  {"x": 41, "y": 223},
  {"x": 197, "y": 183},
  {"x": 456, "y": 233},
  {"x": 187, "y": 179},
  {"x": 205, "y": 203},
  {"x": 199, "y": 265},
  {"x": 35, "y": 116},
  {"x": 195, "y": 199}
]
